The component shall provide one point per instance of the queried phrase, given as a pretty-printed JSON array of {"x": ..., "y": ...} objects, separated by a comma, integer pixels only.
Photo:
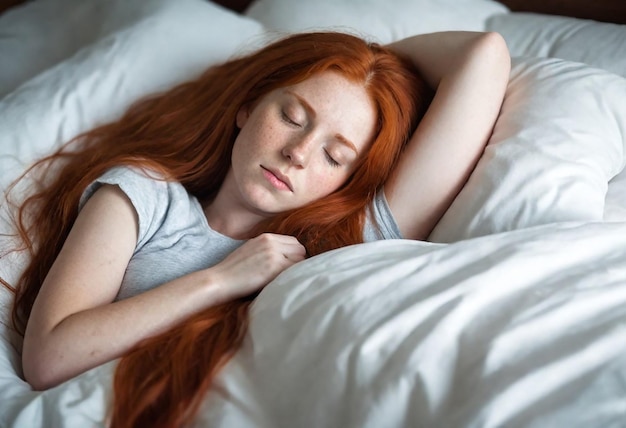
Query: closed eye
[
  {"x": 331, "y": 161},
  {"x": 289, "y": 120}
]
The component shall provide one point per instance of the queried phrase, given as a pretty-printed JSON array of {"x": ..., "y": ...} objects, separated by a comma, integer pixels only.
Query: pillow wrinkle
[{"x": 557, "y": 143}]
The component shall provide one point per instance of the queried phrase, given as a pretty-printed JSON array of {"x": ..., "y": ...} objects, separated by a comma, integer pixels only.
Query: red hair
[{"x": 187, "y": 135}]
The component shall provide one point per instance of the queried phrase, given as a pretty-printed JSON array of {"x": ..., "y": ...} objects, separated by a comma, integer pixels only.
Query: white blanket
[
  {"x": 520, "y": 321},
  {"x": 523, "y": 328}
]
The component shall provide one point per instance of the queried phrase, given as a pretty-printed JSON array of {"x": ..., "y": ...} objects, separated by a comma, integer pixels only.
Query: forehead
[
  {"x": 339, "y": 103},
  {"x": 332, "y": 89}
]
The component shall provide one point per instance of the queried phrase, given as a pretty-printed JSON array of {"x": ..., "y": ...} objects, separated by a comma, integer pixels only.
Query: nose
[{"x": 298, "y": 151}]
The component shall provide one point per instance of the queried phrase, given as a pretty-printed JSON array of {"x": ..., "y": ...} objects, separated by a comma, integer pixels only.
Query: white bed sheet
[{"x": 515, "y": 328}]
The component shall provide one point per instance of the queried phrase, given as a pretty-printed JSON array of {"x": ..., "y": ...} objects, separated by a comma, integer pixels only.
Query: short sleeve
[
  {"x": 148, "y": 194},
  {"x": 380, "y": 214}
]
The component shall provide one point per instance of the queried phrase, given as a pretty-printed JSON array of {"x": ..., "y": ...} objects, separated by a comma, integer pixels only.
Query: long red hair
[{"x": 187, "y": 134}]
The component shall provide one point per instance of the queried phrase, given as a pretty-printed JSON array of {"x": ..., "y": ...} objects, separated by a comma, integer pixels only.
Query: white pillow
[
  {"x": 381, "y": 20},
  {"x": 558, "y": 141},
  {"x": 175, "y": 43},
  {"x": 39, "y": 34},
  {"x": 598, "y": 44}
]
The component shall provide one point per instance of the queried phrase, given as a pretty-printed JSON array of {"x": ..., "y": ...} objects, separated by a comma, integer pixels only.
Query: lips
[{"x": 277, "y": 179}]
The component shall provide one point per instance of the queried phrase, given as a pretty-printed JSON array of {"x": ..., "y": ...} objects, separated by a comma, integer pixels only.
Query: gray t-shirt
[{"x": 174, "y": 236}]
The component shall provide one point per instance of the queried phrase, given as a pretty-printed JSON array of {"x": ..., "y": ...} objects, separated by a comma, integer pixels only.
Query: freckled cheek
[
  {"x": 260, "y": 134},
  {"x": 325, "y": 183},
  {"x": 267, "y": 139}
]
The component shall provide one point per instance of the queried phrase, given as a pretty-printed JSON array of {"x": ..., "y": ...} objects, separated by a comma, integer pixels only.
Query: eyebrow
[{"x": 340, "y": 138}]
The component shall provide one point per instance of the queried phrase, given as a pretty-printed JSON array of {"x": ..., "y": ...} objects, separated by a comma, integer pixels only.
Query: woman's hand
[
  {"x": 76, "y": 325},
  {"x": 257, "y": 262}
]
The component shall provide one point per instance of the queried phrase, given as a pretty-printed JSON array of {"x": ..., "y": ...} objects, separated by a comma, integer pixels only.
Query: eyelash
[
  {"x": 332, "y": 162},
  {"x": 289, "y": 120}
]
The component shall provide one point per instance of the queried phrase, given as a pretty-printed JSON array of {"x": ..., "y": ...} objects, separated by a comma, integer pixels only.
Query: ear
[{"x": 242, "y": 116}]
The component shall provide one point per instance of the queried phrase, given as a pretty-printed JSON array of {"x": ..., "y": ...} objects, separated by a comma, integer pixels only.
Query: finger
[
  {"x": 294, "y": 254},
  {"x": 285, "y": 239},
  {"x": 295, "y": 247},
  {"x": 284, "y": 243}
]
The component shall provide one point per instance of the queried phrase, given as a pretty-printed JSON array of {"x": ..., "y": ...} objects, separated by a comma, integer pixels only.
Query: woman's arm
[
  {"x": 470, "y": 72},
  {"x": 74, "y": 326}
]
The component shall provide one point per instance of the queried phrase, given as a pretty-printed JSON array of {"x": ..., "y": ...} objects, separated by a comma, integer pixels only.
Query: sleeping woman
[{"x": 160, "y": 228}]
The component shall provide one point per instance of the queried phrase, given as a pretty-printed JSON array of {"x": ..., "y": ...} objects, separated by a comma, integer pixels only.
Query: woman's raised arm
[{"x": 470, "y": 72}]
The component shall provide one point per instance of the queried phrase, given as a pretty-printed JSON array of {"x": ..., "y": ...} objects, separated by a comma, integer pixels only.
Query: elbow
[
  {"x": 496, "y": 41},
  {"x": 37, "y": 378},
  {"x": 489, "y": 57},
  {"x": 40, "y": 385},
  {"x": 39, "y": 372},
  {"x": 494, "y": 49}
]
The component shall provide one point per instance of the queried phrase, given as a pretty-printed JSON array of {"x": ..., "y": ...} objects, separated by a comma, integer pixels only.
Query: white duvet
[
  {"x": 515, "y": 318},
  {"x": 524, "y": 328}
]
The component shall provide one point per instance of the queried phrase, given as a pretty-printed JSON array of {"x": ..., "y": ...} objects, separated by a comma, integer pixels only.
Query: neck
[{"x": 230, "y": 218}]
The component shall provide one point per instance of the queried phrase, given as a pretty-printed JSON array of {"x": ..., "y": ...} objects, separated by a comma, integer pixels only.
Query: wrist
[{"x": 213, "y": 287}]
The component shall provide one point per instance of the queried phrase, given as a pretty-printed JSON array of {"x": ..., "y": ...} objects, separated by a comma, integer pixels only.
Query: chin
[{"x": 265, "y": 203}]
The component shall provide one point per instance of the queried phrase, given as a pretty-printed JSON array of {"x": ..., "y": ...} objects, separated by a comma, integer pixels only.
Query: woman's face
[{"x": 300, "y": 143}]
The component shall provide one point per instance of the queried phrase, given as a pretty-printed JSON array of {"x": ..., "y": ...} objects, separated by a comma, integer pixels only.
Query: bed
[{"x": 513, "y": 314}]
